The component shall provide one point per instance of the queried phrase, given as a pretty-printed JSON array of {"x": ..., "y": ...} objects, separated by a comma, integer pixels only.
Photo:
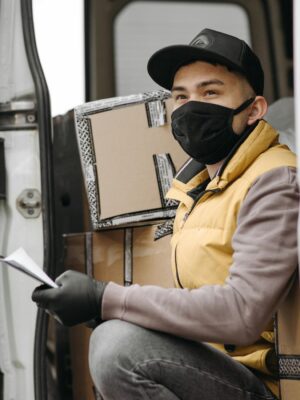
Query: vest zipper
[
  {"x": 176, "y": 269},
  {"x": 187, "y": 214},
  {"x": 183, "y": 222}
]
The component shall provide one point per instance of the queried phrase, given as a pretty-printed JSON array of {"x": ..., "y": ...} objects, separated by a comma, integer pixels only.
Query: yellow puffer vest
[{"x": 202, "y": 237}]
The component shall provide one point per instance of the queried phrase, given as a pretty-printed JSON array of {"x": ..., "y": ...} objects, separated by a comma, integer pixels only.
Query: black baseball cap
[{"x": 210, "y": 46}]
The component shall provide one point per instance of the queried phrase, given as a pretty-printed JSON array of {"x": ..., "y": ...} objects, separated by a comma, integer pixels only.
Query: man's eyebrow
[
  {"x": 210, "y": 82},
  {"x": 199, "y": 85},
  {"x": 178, "y": 88}
]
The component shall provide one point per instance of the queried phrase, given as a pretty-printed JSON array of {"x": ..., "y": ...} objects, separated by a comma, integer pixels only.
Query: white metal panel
[{"x": 17, "y": 311}]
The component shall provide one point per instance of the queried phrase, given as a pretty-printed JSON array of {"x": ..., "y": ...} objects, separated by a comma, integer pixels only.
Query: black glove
[{"x": 77, "y": 299}]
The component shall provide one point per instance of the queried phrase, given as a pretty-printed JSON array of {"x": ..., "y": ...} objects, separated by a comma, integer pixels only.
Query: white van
[{"x": 55, "y": 55}]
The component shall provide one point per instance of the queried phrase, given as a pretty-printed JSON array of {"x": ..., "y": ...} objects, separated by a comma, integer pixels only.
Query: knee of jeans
[{"x": 108, "y": 352}]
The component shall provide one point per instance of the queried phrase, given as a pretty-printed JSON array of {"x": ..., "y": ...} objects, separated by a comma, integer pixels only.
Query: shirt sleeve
[{"x": 264, "y": 261}]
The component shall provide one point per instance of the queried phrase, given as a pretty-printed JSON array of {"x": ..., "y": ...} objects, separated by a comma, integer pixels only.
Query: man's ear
[{"x": 259, "y": 108}]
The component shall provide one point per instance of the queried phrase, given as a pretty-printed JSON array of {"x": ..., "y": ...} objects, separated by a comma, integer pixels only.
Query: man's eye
[
  {"x": 180, "y": 97},
  {"x": 209, "y": 93}
]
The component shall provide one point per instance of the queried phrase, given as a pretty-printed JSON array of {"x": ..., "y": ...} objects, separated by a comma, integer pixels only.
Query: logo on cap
[{"x": 202, "y": 41}]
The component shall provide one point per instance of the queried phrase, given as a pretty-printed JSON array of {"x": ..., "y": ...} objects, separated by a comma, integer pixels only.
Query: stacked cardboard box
[
  {"x": 129, "y": 158},
  {"x": 288, "y": 342},
  {"x": 124, "y": 256}
]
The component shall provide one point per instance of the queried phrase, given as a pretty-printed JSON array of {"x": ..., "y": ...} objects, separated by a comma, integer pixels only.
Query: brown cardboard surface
[
  {"x": 82, "y": 385},
  {"x": 108, "y": 256},
  {"x": 151, "y": 259},
  {"x": 290, "y": 389},
  {"x": 288, "y": 318},
  {"x": 74, "y": 252},
  {"x": 124, "y": 146},
  {"x": 151, "y": 266}
]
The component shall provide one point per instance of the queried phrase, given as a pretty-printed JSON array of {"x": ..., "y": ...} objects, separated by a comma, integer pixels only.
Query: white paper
[{"x": 22, "y": 262}]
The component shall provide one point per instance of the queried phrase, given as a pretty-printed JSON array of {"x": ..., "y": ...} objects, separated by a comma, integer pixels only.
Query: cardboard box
[
  {"x": 121, "y": 255},
  {"x": 129, "y": 157},
  {"x": 124, "y": 256},
  {"x": 288, "y": 342}
]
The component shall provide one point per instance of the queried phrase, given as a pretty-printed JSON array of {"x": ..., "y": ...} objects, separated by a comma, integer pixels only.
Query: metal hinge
[
  {"x": 18, "y": 115},
  {"x": 29, "y": 203}
]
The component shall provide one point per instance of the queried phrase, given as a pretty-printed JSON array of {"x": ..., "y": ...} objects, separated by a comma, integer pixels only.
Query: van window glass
[
  {"x": 142, "y": 27},
  {"x": 16, "y": 83},
  {"x": 59, "y": 29}
]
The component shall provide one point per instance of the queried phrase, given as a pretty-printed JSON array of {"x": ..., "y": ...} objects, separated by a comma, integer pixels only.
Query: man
[{"x": 234, "y": 246}]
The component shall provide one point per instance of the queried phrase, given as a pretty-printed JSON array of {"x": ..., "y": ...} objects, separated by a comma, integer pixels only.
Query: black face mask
[{"x": 204, "y": 130}]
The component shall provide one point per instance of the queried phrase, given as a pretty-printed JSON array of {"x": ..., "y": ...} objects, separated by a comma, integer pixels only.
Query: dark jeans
[{"x": 129, "y": 362}]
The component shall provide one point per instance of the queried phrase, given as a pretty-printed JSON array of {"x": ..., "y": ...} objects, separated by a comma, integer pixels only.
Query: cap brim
[{"x": 164, "y": 63}]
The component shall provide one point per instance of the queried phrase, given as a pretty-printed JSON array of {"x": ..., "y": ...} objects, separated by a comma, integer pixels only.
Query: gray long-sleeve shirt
[{"x": 264, "y": 260}]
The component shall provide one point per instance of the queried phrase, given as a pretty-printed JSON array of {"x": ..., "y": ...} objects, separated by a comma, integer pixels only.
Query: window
[
  {"x": 143, "y": 27},
  {"x": 59, "y": 30}
]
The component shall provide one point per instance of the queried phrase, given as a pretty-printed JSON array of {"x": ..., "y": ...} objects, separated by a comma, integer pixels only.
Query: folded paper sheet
[{"x": 20, "y": 260}]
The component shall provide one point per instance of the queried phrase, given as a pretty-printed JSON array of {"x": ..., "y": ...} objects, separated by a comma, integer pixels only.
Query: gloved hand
[{"x": 77, "y": 299}]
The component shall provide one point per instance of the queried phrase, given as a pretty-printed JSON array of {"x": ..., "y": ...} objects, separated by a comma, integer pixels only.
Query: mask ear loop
[
  {"x": 244, "y": 105},
  {"x": 243, "y": 137},
  {"x": 241, "y": 108}
]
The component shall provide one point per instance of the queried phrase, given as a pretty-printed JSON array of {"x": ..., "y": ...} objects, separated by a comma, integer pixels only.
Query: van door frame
[{"x": 47, "y": 189}]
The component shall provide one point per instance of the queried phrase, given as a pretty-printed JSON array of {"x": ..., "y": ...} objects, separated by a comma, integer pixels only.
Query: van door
[{"x": 26, "y": 212}]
